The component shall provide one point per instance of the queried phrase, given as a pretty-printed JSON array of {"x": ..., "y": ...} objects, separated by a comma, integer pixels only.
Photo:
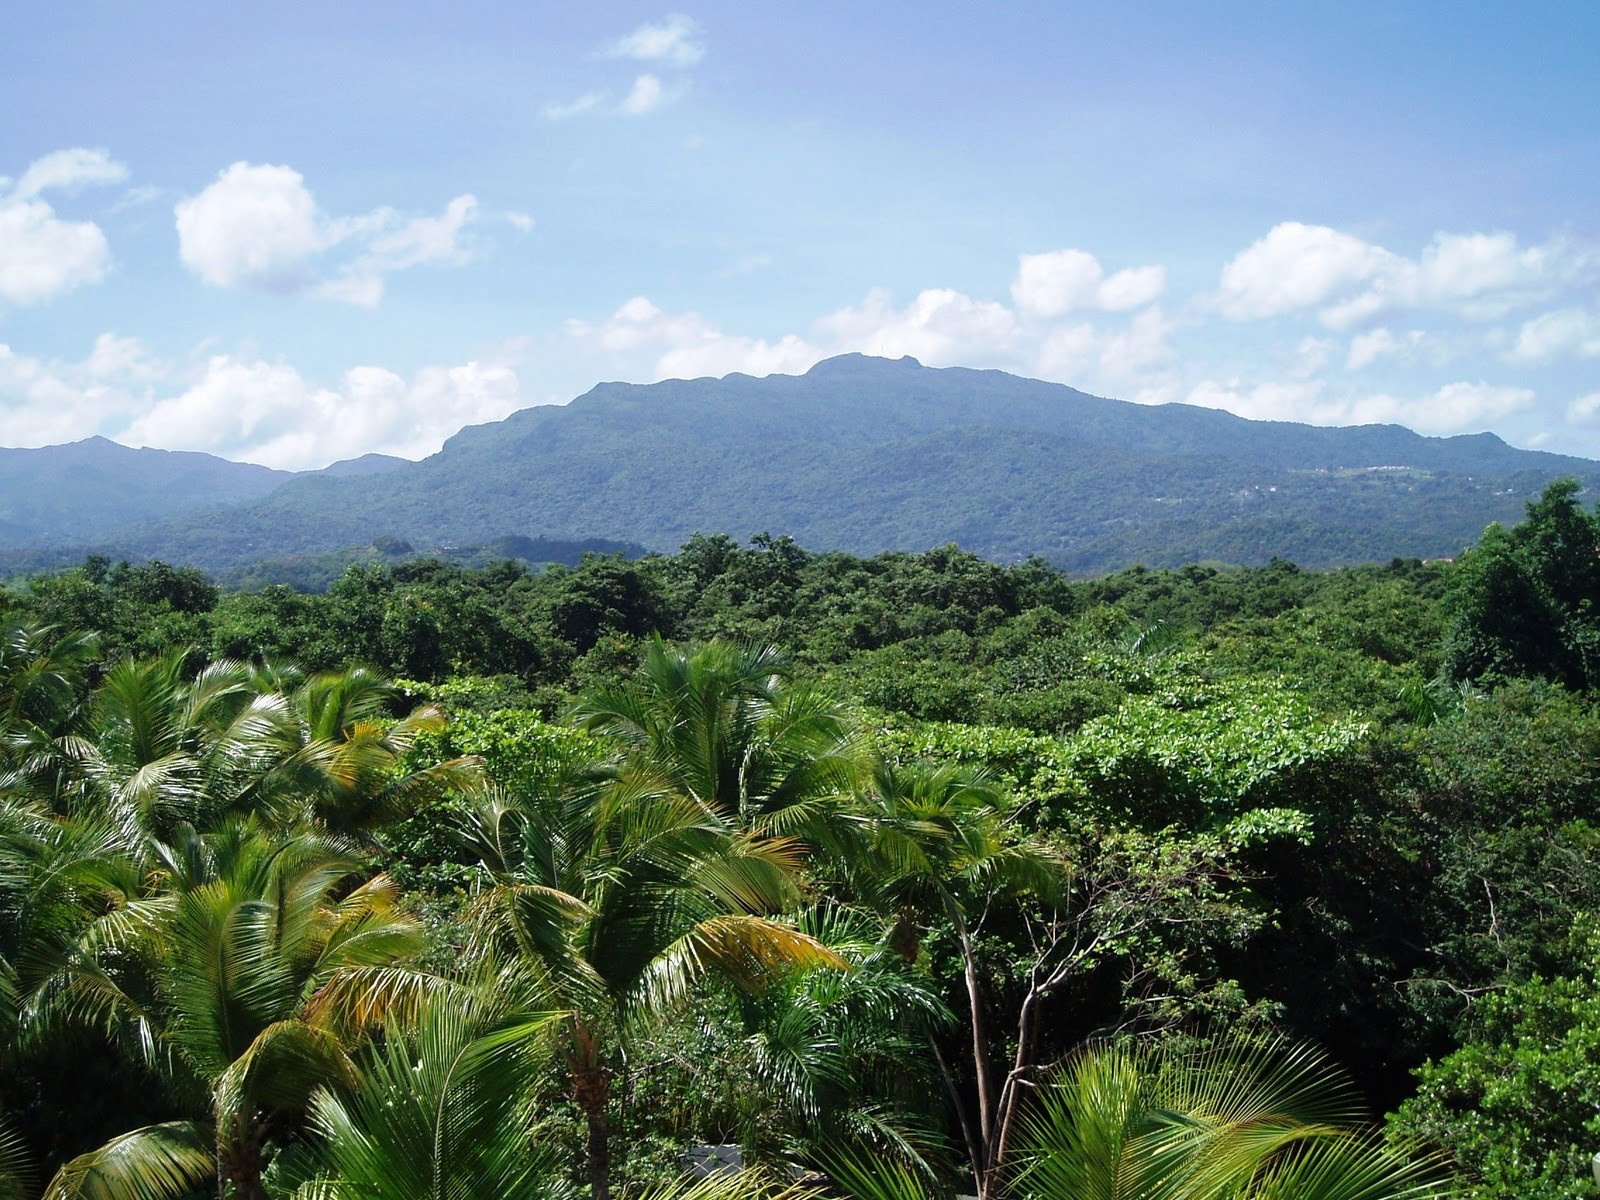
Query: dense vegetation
[
  {"x": 918, "y": 871},
  {"x": 863, "y": 455}
]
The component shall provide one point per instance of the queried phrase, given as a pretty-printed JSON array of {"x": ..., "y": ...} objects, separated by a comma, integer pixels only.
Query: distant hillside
[
  {"x": 866, "y": 454},
  {"x": 83, "y": 491},
  {"x": 317, "y": 572}
]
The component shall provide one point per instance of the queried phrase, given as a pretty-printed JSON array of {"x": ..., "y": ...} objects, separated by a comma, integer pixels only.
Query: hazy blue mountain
[
  {"x": 866, "y": 454},
  {"x": 82, "y": 491},
  {"x": 367, "y": 464}
]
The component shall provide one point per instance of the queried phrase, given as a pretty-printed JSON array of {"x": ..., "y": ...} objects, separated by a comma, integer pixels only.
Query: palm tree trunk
[
  {"x": 591, "y": 1091},
  {"x": 239, "y": 1163}
]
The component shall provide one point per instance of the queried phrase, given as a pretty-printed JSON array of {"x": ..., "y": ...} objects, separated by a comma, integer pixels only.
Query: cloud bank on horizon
[{"x": 302, "y": 281}]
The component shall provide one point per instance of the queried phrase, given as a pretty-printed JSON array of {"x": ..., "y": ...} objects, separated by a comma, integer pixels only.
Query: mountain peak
[{"x": 855, "y": 364}]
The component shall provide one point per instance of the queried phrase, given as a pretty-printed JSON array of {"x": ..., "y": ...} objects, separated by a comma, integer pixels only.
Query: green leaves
[
  {"x": 440, "y": 1109},
  {"x": 159, "y": 1162},
  {"x": 1237, "y": 1121}
]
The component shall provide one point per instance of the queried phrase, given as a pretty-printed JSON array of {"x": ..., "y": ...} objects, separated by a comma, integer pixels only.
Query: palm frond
[{"x": 158, "y": 1162}]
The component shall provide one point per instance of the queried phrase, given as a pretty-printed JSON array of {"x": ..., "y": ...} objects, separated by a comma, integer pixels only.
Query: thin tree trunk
[
  {"x": 1010, "y": 1093},
  {"x": 980, "y": 1052},
  {"x": 974, "y": 1152},
  {"x": 591, "y": 1090}
]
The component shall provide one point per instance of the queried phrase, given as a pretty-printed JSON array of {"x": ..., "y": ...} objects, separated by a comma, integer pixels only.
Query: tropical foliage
[{"x": 989, "y": 881}]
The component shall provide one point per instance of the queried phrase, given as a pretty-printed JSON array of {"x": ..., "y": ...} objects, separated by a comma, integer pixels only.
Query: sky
[{"x": 296, "y": 233}]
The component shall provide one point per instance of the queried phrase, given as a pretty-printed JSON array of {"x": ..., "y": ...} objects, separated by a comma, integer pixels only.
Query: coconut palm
[
  {"x": 440, "y": 1108},
  {"x": 844, "y": 1053},
  {"x": 621, "y": 896},
  {"x": 726, "y": 725},
  {"x": 16, "y": 1172},
  {"x": 42, "y": 675},
  {"x": 1270, "y": 1121},
  {"x": 162, "y": 751},
  {"x": 341, "y": 760},
  {"x": 245, "y": 982}
]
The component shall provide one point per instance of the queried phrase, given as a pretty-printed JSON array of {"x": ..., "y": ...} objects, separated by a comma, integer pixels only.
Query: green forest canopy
[{"x": 618, "y": 859}]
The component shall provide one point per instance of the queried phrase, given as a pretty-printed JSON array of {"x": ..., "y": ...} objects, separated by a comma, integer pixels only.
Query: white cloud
[
  {"x": 1568, "y": 331},
  {"x": 1089, "y": 356},
  {"x": 1367, "y": 348},
  {"x": 1062, "y": 281},
  {"x": 268, "y": 412},
  {"x": 940, "y": 327},
  {"x": 42, "y": 255},
  {"x": 520, "y": 221},
  {"x": 1455, "y": 408},
  {"x": 69, "y": 170},
  {"x": 674, "y": 43},
  {"x": 645, "y": 96},
  {"x": 1132, "y": 288},
  {"x": 1295, "y": 400},
  {"x": 46, "y": 402},
  {"x": 687, "y": 346},
  {"x": 1584, "y": 409},
  {"x": 258, "y": 226},
  {"x": 247, "y": 408},
  {"x": 1352, "y": 281},
  {"x": 426, "y": 239},
  {"x": 1295, "y": 266},
  {"x": 588, "y": 102}
]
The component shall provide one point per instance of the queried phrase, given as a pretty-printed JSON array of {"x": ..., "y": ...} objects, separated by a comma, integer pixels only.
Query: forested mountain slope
[
  {"x": 866, "y": 454},
  {"x": 82, "y": 490}
]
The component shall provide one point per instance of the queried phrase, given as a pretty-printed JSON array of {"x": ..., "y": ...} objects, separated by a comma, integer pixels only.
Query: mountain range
[{"x": 859, "y": 454}]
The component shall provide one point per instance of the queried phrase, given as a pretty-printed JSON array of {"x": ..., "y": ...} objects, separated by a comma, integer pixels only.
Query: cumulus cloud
[
  {"x": 1368, "y": 348},
  {"x": 1566, "y": 332},
  {"x": 268, "y": 412},
  {"x": 673, "y": 42},
  {"x": 258, "y": 226},
  {"x": 69, "y": 170},
  {"x": 1091, "y": 355},
  {"x": 1351, "y": 281},
  {"x": 45, "y": 402},
  {"x": 1455, "y": 408},
  {"x": 1063, "y": 281},
  {"x": 940, "y": 327},
  {"x": 687, "y": 346},
  {"x": 247, "y": 408},
  {"x": 1295, "y": 266},
  {"x": 1584, "y": 410},
  {"x": 41, "y": 254}
]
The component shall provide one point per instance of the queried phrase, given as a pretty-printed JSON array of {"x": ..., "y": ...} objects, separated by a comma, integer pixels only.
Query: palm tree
[
  {"x": 1230, "y": 1122},
  {"x": 341, "y": 760},
  {"x": 161, "y": 751},
  {"x": 726, "y": 725},
  {"x": 440, "y": 1107},
  {"x": 844, "y": 1052},
  {"x": 931, "y": 840},
  {"x": 245, "y": 982},
  {"x": 42, "y": 674},
  {"x": 621, "y": 895}
]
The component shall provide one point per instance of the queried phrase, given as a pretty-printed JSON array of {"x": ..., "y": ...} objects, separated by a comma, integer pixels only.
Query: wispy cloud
[{"x": 672, "y": 42}]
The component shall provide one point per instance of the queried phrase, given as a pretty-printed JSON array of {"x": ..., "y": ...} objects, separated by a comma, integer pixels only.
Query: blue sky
[{"x": 290, "y": 235}]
